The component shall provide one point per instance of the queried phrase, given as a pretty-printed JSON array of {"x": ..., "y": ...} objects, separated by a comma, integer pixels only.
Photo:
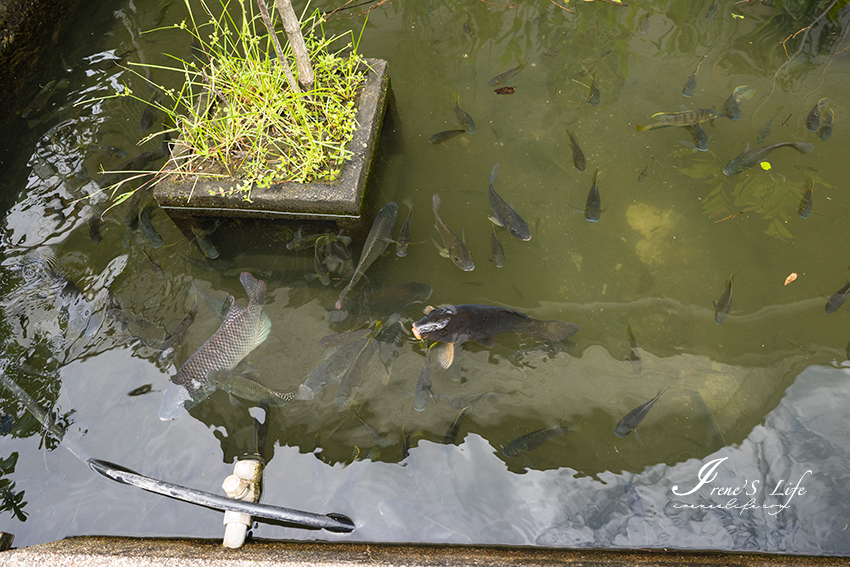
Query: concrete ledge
[
  {"x": 111, "y": 551},
  {"x": 335, "y": 201}
]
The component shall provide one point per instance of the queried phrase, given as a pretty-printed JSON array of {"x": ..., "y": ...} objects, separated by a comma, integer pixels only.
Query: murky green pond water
[{"x": 756, "y": 404}]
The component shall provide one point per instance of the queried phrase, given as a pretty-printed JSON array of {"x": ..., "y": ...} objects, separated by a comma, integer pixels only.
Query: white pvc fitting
[{"x": 243, "y": 484}]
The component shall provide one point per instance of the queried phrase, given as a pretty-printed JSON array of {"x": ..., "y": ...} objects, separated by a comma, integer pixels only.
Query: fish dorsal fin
[{"x": 446, "y": 354}]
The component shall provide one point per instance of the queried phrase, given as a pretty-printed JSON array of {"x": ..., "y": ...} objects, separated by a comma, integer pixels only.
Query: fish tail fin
[
  {"x": 408, "y": 202},
  {"x": 642, "y": 128},
  {"x": 304, "y": 392},
  {"x": 551, "y": 331},
  {"x": 256, "y": 289},
  {"x": 577, "y": 427},
  {"x": 802, "y": 147}
]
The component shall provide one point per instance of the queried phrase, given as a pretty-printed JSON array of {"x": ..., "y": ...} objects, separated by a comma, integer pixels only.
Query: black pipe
[{"x": 331, "y": 522}]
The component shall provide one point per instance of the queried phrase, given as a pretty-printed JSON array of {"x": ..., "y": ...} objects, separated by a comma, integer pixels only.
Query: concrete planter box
[{"x": 339, "y": 201}]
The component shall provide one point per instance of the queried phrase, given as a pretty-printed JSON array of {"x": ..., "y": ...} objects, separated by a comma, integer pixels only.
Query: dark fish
[
  {"x": 825, "y": 128},
  {"x": 450, "y": 438},
  {"x": 110, "y": 151},
  {"x": 201, "y": 237},
  {"x": 147, "y": 227},
  {"x": 645, "y": 172},
  {"x": 634, "y": 355},
  {"x": 131, "y": 215},
  {"x": 634, "y": 417},
  {"x": 497, "y": 253},
  {"x": 241, "y": 386},
  {"x": 505, "y": 90},
  {"x": 243, "y": 329},
  {"x": 334, "y": 365},
  {"x": 691, "y": 83},
  {"x": 764, "y": 131},
  {"x": 503, "y": 77},
  {"x": 458, "y": 324},
  {"x": 161, "y": 14},
  {"x": 837, "y": 299},
  {"x": 403, "y": 241},
  {"x": 506, "y": 217},
  {"x": 806, "y": 202},
  {"x": 731, "y": 107},
  {"x": 684, "y": 118},
  {"x": 578, "y": 155},
  {"x": 94, "y": 223},
  {"x": 423, "y": 385},
  {"x": 814, "y": 116},
  {"x": 141, "y": 390},
  {"x": 441, "y": 137},
  {"x": 722, "y": 306},
  {"x": 388, "y": 300},
  {"x": 593, "y": 96},
  {"x": 712, "y": 11},
  {"x": 594, "y": 201},
  {"x": 43, "y": 96},
  {"x": 376, "y": 242},
  {"x": 749, "y": 157},
  {"x": 453, "y": 247},
  {"x": 176, "y": 335},
  {"x": 357, "y": 369},
  {"x": 321, "y": 270},
  {"x": 463, "y": 117},
  {"x": 644, "y": 23},
  {"x": 700, "y": 137},
  {"x": 587, "y": 69},
  {"x": 151, "y": 112},
  {"x": 302, "y": 242},
  {"x": 531, "y": 441}
]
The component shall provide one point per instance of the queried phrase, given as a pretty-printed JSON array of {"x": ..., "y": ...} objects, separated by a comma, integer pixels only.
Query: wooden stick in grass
[
  {"x": 293, "y": 32},
  {"x": 264, "y": 11}
]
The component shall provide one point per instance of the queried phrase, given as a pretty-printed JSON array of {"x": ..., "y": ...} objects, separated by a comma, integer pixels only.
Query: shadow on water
[{"x": 105, "y": 311}]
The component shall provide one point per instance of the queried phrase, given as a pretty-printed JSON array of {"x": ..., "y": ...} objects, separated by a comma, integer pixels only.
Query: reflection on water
[{"x": 103, "y": 305}]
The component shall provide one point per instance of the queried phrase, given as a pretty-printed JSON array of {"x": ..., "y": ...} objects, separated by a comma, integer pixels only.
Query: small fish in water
[
  {"x": 691, "y": 83},
  {"x": 131, "y": 215},
  {"x": 151, "y": 112},
  {"x": 497, "y": 253},
  {"x": 423, "y": 385},
  {"x": 376, "y": 242},
  {"x": 814, "y": 116},
  {"x": 531, "y": 441},
  {"x": 141, "y": 390},
  {"x": 634, "y": 355},
  {"x": 749, "y": 158},
  {"x": 386, "y": 301},
  {"x": 205, "y": 245},
  {"x": 593, "y": 96},
  {"x": 634, "y": 417},
  {"x": 645, "y": 172},
  {"x": 503, "y": 77},
  {"x": 403, "y": 241},
  {"x": 684, "y": 118},
  {"x": 837, "y": 299},
  {"x": 318, "y": 264},
  {"x": 806, "y": 202},
  {"x": 700, "y": 137},
  {"x": 722, "y": 306},
  {"x": 110, "y": 151},
  {"x": 578, "y": 155},
  {"x": 825, "y": 128},
  {"x": 463, "y": 117},
  {"x": 505, "y": 90},
  {"x": 588, "y": 69},
  {"x": 712, "y": 11},
  {"x": 458, "y": 324},
  {"x": 246, "y": 388},
  {"x": 441, "y": 137},
  {"x": 453, "y": 247},
  {"x": 450, "y": 438},
  {"x": 764, "y": 131},
  {"x": 506, "y": 217},
  {"x": 731, "y": 107},
  {"x": 243, "y": 330},
  {"x": 594, "y": 201},
  {"x": 43, "y": 96},
  {"x": 94, "y": 223},
  {"x": 147, "y": 227}
]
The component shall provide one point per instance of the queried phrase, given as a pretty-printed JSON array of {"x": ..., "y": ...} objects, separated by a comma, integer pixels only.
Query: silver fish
[
  {"x": 634, "y": 417},
  {"x": 403, "y": 241},
  {"x": 243, "y": 329},
  {"x": 506, "y": 217},
  {"x": 497, "y": 253},
  {"x": 376, "y": 242},
  {"x": 241, "y": 386},
  {"x": 453, "y": 247}
]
